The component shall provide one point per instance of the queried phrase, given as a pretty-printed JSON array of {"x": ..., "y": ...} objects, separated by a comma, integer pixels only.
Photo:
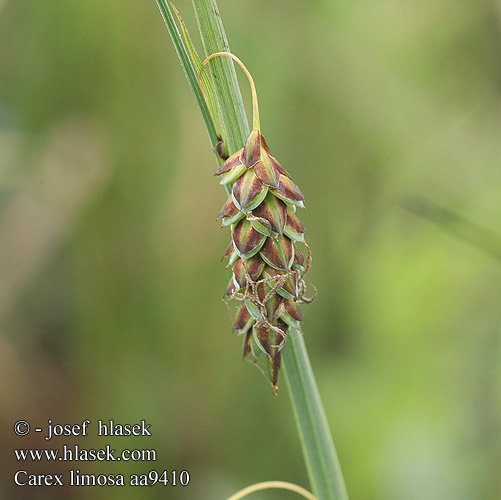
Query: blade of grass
[
  {"x": 205, "y": 79},
  {"x": 321, "y": 460},
  {"x": 188, "y": 68},
  {"x": 481, "y": 237}
]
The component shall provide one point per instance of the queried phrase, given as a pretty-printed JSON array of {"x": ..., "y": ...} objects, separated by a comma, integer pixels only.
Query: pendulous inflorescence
[{"x": 267, "y": 254}]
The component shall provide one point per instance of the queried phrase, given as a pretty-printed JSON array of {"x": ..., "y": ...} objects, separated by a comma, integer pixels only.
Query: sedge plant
[{"x": 267, "y": 254}]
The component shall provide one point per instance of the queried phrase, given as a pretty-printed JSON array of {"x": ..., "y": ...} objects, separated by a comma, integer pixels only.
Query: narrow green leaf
[
  {"x": 188, "y": 68},
  {"x": 201, "y": 72},
  {"x": 321, "y": 460}
]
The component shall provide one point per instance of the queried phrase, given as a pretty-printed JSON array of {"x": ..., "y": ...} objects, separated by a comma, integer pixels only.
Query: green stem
[
  {"x": 321, "y": 460},
  {"x": 320, "y": 456},
  {"x": 234, "y": 125}
]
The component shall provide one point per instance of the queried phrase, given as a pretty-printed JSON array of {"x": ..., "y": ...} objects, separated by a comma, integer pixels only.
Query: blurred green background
[{"x": 388, "y": 116}]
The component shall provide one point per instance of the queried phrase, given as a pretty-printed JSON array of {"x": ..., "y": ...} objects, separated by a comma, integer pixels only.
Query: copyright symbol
[{"x": 21, "y": 427}]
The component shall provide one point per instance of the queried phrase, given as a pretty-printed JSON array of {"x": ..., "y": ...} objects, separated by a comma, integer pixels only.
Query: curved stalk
[
  {"x": 282, "y": 485},
  {"x": 255, "y": 103}
]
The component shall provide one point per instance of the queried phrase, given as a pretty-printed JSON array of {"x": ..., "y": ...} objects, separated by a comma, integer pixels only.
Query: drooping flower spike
[{"x": 267, "y": 254}]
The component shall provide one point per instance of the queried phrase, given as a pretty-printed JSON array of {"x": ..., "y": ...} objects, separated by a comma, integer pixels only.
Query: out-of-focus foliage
[{"x": 110, "y": 285}]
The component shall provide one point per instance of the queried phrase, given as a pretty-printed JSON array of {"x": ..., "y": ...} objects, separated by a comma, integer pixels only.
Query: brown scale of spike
[{"x": 267, "y": 275}]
